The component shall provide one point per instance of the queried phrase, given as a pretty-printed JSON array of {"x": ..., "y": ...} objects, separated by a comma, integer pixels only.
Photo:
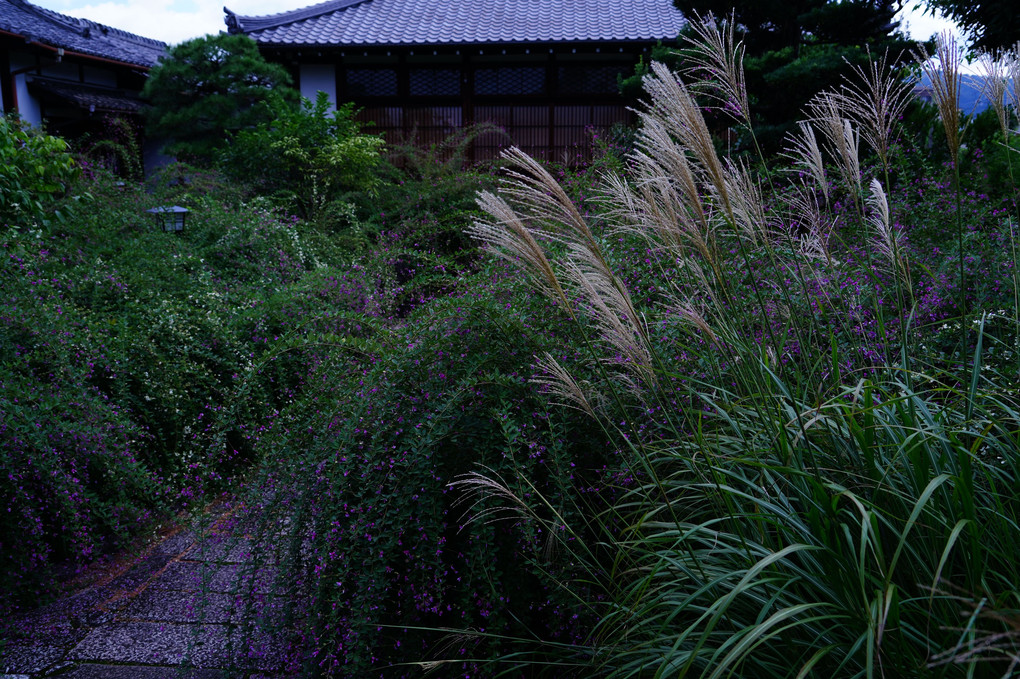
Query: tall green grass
[{"x": 816, "y": 486}]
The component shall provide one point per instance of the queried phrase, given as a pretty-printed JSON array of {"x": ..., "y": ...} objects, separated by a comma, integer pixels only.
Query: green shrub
[
  {"x": 305, "y": 160},
  {"x": 117, "y": 150},
  {"x": 394, "y": 417},
  {"x": 35, "y": 170}
]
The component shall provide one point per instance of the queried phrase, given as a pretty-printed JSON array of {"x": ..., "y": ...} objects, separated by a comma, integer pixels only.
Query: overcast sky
[{"x": 174, "y": 21}]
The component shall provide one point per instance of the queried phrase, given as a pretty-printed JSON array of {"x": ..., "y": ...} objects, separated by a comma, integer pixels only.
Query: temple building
[
  {"x": 68, "y": 72},
  {"x": 544, "y": 72}
]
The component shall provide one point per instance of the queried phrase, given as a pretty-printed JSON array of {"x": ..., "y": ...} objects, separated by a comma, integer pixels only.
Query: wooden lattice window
[
  {"x": 601, "y": 80},
  {"x": 371, "y": 82},
  {"x": 433, "y": 82},
  {"x": 510, "y": 81}
]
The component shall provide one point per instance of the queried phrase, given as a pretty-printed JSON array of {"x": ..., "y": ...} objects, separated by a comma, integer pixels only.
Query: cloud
[
  {"x": 921, "y": 24},
  {"x": 167, "y": 20}
]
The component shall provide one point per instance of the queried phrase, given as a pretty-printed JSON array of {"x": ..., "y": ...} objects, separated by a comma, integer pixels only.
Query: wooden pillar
[
  {"x": 467, "y": 100},
  {"x": 7, "y": 102},
  {"x": 552, "y": 89},
  {"x": 403, "y": 94},
  {"x": 339, "y": 79}
]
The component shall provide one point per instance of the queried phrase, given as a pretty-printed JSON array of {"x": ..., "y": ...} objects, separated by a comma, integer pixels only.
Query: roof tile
[
  {"x": 78, "y": 35},
  {"x": 89, "y": 97},
  {"x": 437, "y": 22}
]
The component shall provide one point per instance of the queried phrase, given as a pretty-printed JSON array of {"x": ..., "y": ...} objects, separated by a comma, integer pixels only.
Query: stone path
[{"x": 208, "y": 601}]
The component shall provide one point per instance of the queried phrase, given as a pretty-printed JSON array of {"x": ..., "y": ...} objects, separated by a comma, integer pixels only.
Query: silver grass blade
[
  {"x": 875, "y": 98},
  {"x": 851, "y": 146},
  {"x": 534, "y": 188},
  {"x": 805, "y": 210},
  {"x": 879, "y": 219},
  {"x": 612, "y": 312},
  {"x": 718, "y": 59},
  {"x": 842, "y": 140},
  {"x": 748, "y": 206},
  {"x": 512, "y": 241},
  {"x": 690, "y": 283},
  {"x": 688, "y": 313},
  {"x": 673, "y": 105},
  {"x": 995, "y": 84},
  {"x": 806, "y": 154},
  {"x": 657, "y": 144},
  {"x": 889, "y": 241},
  {"x": 477, "y": 488},
  {"x": 560, "y": 382},
  {"x": 654, "y": 209},
  {"x": 944, "y": 73},
  {"x": 1012, "y": 60},
  {"x": 621, "y": 205}
]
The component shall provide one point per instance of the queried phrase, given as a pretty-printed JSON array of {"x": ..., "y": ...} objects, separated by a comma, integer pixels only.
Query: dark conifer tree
[
  {"x": 994, "y": 24},
  {"x": 208, "y": 88},
  {"x": 796, "y": 48}
]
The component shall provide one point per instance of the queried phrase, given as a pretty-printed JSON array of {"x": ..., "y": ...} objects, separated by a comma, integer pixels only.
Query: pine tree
[
  {"x": 796, "y": 48},
  {"x": 994, "y": 24},
  {"x": 208, "y": 88}
]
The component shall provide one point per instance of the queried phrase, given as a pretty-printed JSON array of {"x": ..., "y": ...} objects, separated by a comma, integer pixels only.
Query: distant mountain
[{"x": 972, "y": 100}]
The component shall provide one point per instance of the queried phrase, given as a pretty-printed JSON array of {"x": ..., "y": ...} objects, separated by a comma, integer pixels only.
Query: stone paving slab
[
  {"x": 247, "y": 578},
  {"x": 186, "y": 576},
  {"x": 204, "y": 602},
  {"x": 170, "y": 606},
  {"x": 190, "y": 576},
  {"x": 243, "y": 550},
  {"x": 172, "y": 643},
  {"x": 141, "y": 572},
  {"x": 150, "y": 643},
  {"x": 176, "y": 544},
  {"x": 64, "y": 633},
  {"x": 26, "y": 657},
  {"x": 60, "y": 618},
  {"x": 136, "y": 672}
]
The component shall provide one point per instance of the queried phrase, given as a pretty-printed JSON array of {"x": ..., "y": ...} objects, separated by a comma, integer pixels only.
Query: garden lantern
[{"x": 170, "y": 219}]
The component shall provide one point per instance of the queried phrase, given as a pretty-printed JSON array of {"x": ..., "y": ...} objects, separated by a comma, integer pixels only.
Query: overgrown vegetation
[
  {"x": 305, "y": 160},
  {"x": 690, "y": 420},
  {"x": 820, "y": 420},
  {"x": 35, "y": 171},
  {"x": 120, "y": 348}
]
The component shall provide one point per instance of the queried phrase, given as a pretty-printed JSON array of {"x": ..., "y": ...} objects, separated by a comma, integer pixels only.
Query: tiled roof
[
  {"x": 78, "y": 35},
  {"x": 89, "y": 97},
  {"x": 442, "y": 22}
]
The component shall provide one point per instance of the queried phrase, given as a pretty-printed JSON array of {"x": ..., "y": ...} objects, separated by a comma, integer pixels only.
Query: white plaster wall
[
  {"x": 316, "y": 77},
  {"x": 28, "y": 107}
]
